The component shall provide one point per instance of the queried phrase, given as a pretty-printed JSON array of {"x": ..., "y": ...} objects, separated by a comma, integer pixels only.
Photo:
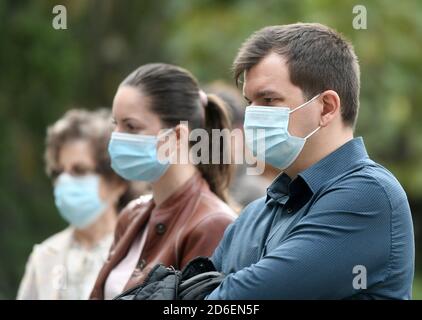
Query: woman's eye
[
  {"x": 79, "y": 171},
  {"x": 55, "y": 173},
  {"x": 131, "y": 128},
  {"x": 268, "y": 100}
]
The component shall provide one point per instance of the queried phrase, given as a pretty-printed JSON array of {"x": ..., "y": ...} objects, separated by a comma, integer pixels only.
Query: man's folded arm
[{"x": 318, "y": 258}]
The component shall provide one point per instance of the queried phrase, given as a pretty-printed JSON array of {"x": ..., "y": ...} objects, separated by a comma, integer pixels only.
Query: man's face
[{"x": 268, "y": 84}]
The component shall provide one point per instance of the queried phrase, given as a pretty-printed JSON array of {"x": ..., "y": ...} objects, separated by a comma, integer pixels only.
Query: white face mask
[{"x": 266, "y": 129}]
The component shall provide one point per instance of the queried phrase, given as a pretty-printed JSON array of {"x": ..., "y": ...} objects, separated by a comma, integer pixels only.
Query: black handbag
[{"x": 198, "y": 279}]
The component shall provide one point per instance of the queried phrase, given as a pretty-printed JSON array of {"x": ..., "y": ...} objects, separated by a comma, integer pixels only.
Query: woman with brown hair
[{"x": 187, "y": 214}]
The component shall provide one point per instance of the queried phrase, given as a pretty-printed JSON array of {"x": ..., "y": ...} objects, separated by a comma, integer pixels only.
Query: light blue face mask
[
  {"x": 267, "y": 136},
  {"x": 78, "y": 200},
  {"x": 134, "y": 157}
]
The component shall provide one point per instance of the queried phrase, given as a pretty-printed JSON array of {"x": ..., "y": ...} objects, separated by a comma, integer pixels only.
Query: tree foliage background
[{"x": 44, "y": 72}]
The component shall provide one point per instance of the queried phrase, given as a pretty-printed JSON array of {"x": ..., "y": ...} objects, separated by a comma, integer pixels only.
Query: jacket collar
[
  {"x": 179, "y": 197},
  {"x": 57, "y": 243}
]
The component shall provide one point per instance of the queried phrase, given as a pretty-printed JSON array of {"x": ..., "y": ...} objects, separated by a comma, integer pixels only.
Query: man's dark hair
[{"x": 318, "y": 59}]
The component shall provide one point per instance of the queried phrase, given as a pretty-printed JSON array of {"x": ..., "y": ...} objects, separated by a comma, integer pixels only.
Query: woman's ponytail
[{"x": 217, "y": 175}]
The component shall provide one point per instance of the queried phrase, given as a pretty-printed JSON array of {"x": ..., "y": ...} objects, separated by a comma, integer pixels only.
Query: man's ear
[{"x": 330, "y": 107}]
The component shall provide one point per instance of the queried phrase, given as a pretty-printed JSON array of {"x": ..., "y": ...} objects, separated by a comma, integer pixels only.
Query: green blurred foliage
[{"x": 44, "y": 72}]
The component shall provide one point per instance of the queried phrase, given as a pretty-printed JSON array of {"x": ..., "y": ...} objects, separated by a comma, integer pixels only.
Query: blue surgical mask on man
[
  {"x": 267, "y": 128},
  {"x": 78, "y": 199},
  {"x": 134, "y": 157}
]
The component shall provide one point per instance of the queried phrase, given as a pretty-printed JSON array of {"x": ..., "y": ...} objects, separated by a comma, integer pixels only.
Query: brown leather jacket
[{"x": 190, "y": 223}]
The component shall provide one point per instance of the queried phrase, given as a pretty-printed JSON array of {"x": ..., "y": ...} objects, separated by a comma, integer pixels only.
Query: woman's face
[
  {"x": 131, "y": 113},
  {"x": 76, "y": 158}
]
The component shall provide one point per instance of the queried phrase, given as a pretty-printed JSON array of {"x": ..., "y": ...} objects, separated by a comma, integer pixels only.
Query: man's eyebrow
[
  {"x": 264, "y": 93},
  {"x": 129, "y": 119}
]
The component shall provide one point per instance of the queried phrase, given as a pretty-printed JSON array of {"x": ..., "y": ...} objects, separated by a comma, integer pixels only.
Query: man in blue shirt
[{"x": 334, "y": 224}]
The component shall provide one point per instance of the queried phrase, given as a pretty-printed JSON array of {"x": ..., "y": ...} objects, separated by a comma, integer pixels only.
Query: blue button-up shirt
[{"x": 342, "y": 229}]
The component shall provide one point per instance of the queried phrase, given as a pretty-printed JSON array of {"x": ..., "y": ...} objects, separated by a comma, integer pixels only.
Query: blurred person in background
[
  {"x": 245, "y": 188},
  {"x": 187, "y": 215},
  {"x": 88, "y": 195}
]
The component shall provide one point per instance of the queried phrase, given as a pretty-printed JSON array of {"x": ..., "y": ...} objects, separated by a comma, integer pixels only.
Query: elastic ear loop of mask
[
  {"x": 163, "y": 134},
  {"x": 303, "y": 105},
  {"x": 306, "y": 138}
]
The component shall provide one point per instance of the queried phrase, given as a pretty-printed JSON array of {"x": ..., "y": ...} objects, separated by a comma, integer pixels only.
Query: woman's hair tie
[{"x": 203, "y": 97}]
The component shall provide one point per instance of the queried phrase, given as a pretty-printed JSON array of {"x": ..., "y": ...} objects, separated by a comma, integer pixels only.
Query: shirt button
[
  {"x": 142, "y": 264},
  {"x": 289, "y": 210},
  {"x": 160, "y": 228}
]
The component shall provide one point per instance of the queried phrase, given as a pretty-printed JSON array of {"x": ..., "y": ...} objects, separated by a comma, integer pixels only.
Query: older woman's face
[
  {"x": 76, "y": 158},
  {"x": 131, "y": 113}
]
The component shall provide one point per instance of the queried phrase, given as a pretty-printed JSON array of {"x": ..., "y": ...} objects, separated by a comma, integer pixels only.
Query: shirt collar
[
  {"x": 279, "y": 188},
  {"x": 339, "y": 161},
  {"x": 346, "y": 157}
]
